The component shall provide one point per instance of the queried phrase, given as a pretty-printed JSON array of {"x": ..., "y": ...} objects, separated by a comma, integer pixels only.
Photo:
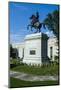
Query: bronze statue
[{"x": 35, "y": 23}]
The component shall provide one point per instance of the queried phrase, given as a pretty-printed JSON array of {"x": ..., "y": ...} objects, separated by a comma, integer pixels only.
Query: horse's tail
[
  {"x": 44, "y": 26},
  {"x": 28, "y": 27}
]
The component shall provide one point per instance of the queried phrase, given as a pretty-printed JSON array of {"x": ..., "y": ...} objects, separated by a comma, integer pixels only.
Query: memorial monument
[{"x": 35, "y": 51}]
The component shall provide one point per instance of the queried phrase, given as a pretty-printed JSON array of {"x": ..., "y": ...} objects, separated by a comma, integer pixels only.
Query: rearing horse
[{"x": 35, "y": 23}]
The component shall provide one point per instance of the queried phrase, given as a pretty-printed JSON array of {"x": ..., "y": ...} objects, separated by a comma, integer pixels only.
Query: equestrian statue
[{"x": 35, "y": 23}]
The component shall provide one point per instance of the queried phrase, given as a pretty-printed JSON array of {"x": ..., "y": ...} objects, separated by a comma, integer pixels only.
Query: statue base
[{"x": 35, "y": 49}]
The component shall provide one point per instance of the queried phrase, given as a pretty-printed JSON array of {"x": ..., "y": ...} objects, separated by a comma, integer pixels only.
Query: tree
[
  {"x": 52, "y": 22},
  {"x": 13, "y": 52}
]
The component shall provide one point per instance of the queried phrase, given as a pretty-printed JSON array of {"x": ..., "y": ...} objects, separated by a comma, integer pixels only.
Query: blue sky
[{"x": 19, "y": 14}]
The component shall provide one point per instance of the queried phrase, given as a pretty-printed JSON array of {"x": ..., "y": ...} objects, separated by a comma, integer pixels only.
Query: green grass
[
  {"x": 37, "y": 70},
  {"x": 16, "y": 83}
]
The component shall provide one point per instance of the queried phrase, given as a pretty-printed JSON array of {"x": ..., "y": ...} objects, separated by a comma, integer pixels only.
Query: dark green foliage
[
  {"x": 52, "y": 22},
  {"x": 13, "y": 52},
  {"x": 56, "y": 57}
]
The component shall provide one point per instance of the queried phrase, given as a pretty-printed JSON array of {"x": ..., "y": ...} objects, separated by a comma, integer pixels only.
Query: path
[{"x": 29, "y": 77}]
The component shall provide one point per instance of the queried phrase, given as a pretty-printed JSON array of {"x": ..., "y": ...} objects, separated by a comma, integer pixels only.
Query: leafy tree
[
  {"x": 52, "y": 22},
  {"x": 13, "y": 52}
]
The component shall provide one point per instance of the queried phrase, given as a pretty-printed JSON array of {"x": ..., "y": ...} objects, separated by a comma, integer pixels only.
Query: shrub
[
  {"x": 14, "y": 62},
  {"x": 56, "y": 58}
]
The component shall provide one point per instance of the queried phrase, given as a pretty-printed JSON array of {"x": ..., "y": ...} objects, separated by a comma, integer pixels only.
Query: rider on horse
[
  {"x": 35, "y": 19},
  {"x": 35, "y": 23}
]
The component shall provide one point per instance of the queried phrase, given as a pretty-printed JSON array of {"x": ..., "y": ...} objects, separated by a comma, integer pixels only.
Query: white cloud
[
  {"x": 49, "y": 33},
  {"x": 16, "y": 38}
]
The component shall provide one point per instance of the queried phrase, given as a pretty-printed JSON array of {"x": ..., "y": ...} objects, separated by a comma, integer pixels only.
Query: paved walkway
[{"x": 29, "y": 77}]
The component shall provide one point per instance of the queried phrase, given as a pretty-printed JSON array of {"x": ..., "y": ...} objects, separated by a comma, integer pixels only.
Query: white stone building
[
  {"x": 53, "y": 49},
  {"x": 37, "y": 48},
  {"x": 20, "y": 48}
]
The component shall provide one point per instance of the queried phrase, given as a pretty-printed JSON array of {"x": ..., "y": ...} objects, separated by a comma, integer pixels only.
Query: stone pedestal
[{"x": 35, "y": 48}]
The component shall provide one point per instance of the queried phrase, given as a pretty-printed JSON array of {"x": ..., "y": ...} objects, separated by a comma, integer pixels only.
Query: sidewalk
[{"x": 29, "y": 77}]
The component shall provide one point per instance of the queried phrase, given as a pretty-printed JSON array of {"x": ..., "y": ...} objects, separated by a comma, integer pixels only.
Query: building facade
[
  {"x": 20, "y": 48},
  {"x": 53, "y": 49},
  {"x": 37, "y": 48}
]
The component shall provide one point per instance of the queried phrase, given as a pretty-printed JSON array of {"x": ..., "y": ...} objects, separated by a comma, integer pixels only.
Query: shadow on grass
[{"x": 16, "y": 83}]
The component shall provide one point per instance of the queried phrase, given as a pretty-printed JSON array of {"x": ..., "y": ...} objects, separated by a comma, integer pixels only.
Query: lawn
[
  {"x": 37, "y": 70},
  {"x": 16, "y": 83}
]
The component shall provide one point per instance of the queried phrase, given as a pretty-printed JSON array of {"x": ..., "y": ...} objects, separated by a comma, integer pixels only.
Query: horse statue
[{"x": 35, "y": 23}]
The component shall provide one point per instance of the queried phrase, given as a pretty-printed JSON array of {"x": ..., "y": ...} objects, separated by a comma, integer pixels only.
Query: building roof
[{"x": 35, "y": 36}]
